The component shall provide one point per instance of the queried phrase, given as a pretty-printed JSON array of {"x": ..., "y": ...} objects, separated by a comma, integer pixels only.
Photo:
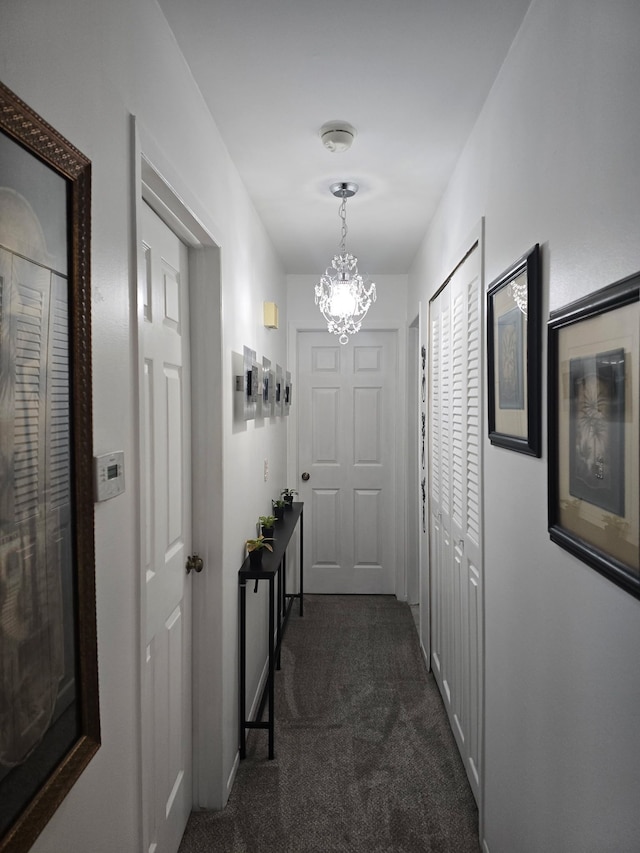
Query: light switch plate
[{"x": 108, "y": 472}]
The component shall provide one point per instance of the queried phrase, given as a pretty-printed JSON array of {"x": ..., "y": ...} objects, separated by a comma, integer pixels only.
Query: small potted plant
[
  {"x": 278, "y": 509},
  {"x": 287, "y": 497},
  {"x": 255, "y": 547},
  {"x": 267, "y": 523}
]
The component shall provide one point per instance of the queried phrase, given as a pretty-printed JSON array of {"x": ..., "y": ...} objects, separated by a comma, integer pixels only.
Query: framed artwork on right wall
[
  {"x": 594, "y": 439},
  {"x": 513, "y": 356}
]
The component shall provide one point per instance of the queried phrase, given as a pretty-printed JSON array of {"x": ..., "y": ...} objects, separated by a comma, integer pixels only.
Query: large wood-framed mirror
[{"x": 49, "y": 710}]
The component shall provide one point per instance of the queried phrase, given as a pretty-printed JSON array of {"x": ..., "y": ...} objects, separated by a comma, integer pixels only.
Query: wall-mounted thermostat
[{"x": 109, "y": 475}]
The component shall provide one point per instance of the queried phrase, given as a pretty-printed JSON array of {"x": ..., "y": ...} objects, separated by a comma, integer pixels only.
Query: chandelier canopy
[{"x": 342, "y": 294}]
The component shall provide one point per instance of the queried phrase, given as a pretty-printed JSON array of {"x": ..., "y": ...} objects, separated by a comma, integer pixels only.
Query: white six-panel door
[
  {"x": 166, "y": 484},
  {"x": 348, "y": 407},
  {"x": 454, "y": 505}
]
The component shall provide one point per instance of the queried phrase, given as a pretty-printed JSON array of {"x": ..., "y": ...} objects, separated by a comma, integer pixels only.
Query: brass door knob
[{"x": 194, "y": 563}]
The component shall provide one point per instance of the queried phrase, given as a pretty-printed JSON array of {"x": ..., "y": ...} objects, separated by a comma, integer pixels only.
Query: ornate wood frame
[{"x": 26, "y": 819}]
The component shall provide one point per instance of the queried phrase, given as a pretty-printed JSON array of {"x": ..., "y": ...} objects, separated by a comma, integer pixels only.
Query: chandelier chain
[{"x": 342, "y": 213}]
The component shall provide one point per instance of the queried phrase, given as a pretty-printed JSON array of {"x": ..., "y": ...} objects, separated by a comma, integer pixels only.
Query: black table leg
[
  {"x": 271, "y": 670},
  {"x": 280, "y": 610},
  {"x": 243, "y": 669},
  {"x": 301, "y": 564}
]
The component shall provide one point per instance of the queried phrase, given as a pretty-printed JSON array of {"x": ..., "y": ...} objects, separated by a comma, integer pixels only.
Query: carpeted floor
[{"x": 365, "y": 759}]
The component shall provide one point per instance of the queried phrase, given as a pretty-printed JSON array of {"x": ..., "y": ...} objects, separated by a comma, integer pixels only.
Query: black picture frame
[
  {"x": 48, "y": 657},
  {"x": 594, "y": 438},
  {"x": 513, "y": 356}
]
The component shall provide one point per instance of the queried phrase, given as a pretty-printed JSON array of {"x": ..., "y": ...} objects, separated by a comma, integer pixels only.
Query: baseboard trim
[
  {"x": 259, "y": 691},
  {"x": 232, "y": 777},
  {"x": 252, "y": 715},
  {"x": 425, "y": 657}
]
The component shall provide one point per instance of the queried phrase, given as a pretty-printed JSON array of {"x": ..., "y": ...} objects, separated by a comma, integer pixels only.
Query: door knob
[
  {"x": 306, "y": 476},
  {"x": 194, "y": 563}
]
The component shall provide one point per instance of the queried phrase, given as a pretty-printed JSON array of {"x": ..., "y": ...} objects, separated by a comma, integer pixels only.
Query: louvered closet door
[
  {"x": 440, "y": 487},
  {"x": 454, "y": 417},
  {"x": 35, "y": 525}
]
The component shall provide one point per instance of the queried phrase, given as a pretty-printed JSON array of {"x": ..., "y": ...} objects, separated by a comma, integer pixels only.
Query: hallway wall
[
  {"x": 554, "y": 158},
  {"x": 85, "y": 67}
]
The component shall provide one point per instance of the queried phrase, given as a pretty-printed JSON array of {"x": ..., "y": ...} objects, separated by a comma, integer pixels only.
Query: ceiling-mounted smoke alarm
[{"x": 337, "y": 135}]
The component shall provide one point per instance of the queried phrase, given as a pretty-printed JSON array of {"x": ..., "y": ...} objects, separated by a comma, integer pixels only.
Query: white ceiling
[{"x": 411, "y": 76}]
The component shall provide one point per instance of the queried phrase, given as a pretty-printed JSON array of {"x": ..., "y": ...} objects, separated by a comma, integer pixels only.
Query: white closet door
[
  {"x": 346, "y": 443},
  {"x": 454, "y": 501},
  {"x": 166, "y": 479}
]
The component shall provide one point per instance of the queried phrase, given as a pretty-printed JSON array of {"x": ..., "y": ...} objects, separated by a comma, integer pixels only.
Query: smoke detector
[{"x": 337, "y": 135}]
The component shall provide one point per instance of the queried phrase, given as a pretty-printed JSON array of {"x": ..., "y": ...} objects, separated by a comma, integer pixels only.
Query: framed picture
[
  {"x": 251, "y": 384},
  {"x": 288, "y": 392},
  {"x": 594, "y": 440},
  {"x": 267, "y": 390},
  {"x": 279, "y": 390},
  {"x": 49, "y": 714},
  {"x": 513, "y": 340}
]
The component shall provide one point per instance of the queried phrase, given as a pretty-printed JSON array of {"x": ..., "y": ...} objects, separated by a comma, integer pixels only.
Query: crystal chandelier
[
  {"x": 341, "y": 294},
  {"x": 519, "y": 289}
]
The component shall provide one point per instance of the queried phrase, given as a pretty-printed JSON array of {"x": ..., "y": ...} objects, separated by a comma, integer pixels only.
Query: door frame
[
  {"x": 424, "y": 562},
  {"x": 293, "y": 474},
  {"x": 210, "y": 787},
  {"x": 413, "y": 463}
]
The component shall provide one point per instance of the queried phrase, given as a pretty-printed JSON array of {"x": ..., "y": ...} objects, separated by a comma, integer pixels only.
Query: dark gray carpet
[{"x": 365, "y": 759}]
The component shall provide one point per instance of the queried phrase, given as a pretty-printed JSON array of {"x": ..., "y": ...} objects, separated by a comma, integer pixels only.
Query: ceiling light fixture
[
  {"x": 519, "y": 289},
  {"x": 337, "y": 136},
  {"x": 341, "y": 293}
]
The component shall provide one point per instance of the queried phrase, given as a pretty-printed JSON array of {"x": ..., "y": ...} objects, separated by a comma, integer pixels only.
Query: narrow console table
[{"x": 273, "y": 570}]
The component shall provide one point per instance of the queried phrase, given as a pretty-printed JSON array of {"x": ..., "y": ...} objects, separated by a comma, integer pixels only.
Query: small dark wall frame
[
  {"x": 513, "y": 359},
  {"x": 594, "y": 437},
  {"x": 49, "y": 710}
]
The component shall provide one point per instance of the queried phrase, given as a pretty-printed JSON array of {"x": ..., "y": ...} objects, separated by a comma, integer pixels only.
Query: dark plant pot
[
  {"x": 255, "y": 558},
  {"x": 267, "y": 532},
  {"x": 288, "y": 502},
  {"x": 278, "y": 511}
]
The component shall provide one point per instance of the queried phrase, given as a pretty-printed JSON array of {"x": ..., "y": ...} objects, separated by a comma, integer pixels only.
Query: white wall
[
  {"x": 85, "y": 67},
  {"x": 555, "y": 159}
]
